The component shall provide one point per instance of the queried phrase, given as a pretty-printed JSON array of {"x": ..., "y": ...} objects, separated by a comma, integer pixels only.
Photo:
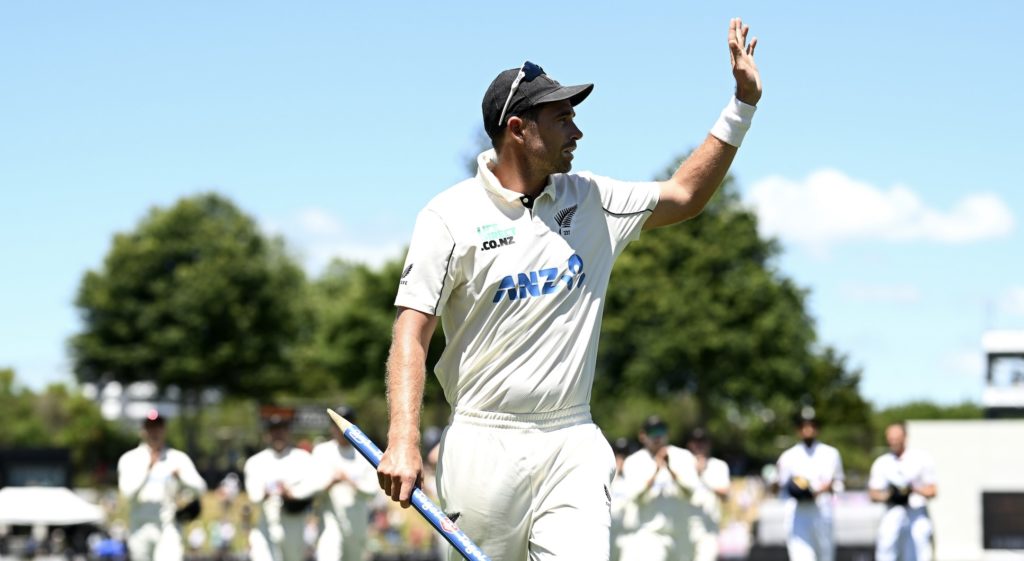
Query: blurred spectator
[
  {"x": 808, "y": 474},
  {"x": 904, "y": 479},
  {"x": 150, "y": 477},
  {"x": 712, "y": 489},
  {"x": 659, "y": 480},
  {"x": 281, "y": 480},
  {"x": 348, "y": 485},
  {"x": 196, "y": 539}
]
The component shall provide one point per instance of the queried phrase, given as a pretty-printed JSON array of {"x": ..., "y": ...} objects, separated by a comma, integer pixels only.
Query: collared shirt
[
  {"x": 913, "y": 467},
  {"x": 352, "y": 496},
  {"x": 520, "y": 284},
  {"x": 665, "y": 506},
  {"x": 715, "y": 476},
  {"x": 152, "y": 491},
  {"x": 818, "y": 463},
  {"x": 269, "y": 472}
]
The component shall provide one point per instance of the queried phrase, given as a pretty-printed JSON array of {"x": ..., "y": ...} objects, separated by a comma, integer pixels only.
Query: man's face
[
  {"x": 654, "y": 439},
  {"x": 808, "y": 431},
  {"x": 155, "y": 434},
  {"x": 278, "y": 437},
  {"x": 551, "y": 138},
  {"x": 896, "y": 437},
  {"x": 699, "y": 447}
]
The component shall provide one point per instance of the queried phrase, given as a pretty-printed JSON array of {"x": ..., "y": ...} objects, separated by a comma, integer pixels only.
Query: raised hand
[{"x": 744, "y": 69}]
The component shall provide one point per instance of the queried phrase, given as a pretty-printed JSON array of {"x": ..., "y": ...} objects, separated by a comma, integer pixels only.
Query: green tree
[
  {"x": 196, "y": 297},
  {"x": 698, "y": 313},
  {"x": 353, "y": 311},
  {"x": 61, "y": 418}
]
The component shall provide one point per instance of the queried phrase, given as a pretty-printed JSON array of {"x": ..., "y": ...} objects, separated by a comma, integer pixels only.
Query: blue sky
[{"x": 882, "y": 155}]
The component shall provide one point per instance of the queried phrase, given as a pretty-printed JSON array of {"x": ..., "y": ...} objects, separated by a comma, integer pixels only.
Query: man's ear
[{"x": 516, "y": 126}]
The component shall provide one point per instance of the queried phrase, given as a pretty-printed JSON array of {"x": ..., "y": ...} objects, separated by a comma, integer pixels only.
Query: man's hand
[
  {"x": 340, "y": 476},
  {"x": 400, "y": 471},
  {"x": 744, "y": 70},
  {"x": 661, "y": 457}
]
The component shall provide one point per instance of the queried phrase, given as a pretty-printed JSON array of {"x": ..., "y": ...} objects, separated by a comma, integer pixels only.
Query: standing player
[
  {"x": 350, "y": 484},
  {"x": 280, "y": 480},
  {"x": 516, "y": 262},
  {"x": 712, "y": 488},
  {"x": 659, "y": 481},
  {"x": 149, "y": 477},
  {"x": 809, "y": 473},
  {"x": 904, "y": 480}
]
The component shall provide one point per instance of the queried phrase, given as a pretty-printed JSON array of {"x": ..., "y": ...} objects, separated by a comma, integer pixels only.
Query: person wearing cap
[
  {"x": 808, "y": 475},
  {"x": 280, "y": 480},
  {"x": 349, "y": 483},
  {"x": 659, "y": 482},
  {"x": 150, "y": 478},
  {"x": 711, "y": 490},
  {"x": 515, "y": 261}
]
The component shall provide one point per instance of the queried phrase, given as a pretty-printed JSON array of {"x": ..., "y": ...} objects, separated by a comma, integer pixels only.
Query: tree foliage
[
  {"x": 698, "y": 313},
  {"x": 195, "y": 297},
  {"x": 354, "y": 312},
  {"x": 62, "y": 418}
]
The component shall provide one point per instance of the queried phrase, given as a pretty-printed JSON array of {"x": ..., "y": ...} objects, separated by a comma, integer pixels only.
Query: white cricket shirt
[
  {"x": 913, "y": 467},
  {"x": 152, "y": 491},
  {"x": 520, "y": 291},
  {"x": 818, "y": 463}
]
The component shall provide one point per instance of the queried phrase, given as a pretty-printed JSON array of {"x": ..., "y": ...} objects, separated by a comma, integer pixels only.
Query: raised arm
[
  {"x": 684, "y": 195},
  {"x": 401, "y": 467}
]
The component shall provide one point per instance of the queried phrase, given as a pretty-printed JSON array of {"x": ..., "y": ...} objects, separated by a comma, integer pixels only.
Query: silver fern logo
[
  {"x": 405, "y": 273},
  {"x": 564, "y": 219}
]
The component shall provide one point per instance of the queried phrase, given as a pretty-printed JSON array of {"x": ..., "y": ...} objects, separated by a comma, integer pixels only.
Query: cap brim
[{"x": 575, "y": 94}]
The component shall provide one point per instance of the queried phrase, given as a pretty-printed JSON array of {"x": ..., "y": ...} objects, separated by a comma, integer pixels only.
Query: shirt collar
[{"x": 486, "y": 161}]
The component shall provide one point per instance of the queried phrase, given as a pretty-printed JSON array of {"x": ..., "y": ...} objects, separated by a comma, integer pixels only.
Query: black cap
[
  {"x": 346, "y": 413},
  {"x": 535, "y": 88},
  {"x": 622, "y": 446},
  {"x": 153, "y": 418},
  {"x": 276, "y": 421},
  {"x": 699, "y": 435},
  {"x": 654, "y": 425}
]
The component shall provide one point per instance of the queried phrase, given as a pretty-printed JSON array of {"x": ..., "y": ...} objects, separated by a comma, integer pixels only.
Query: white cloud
[
  {"x": 829, "y": 207},
  {"x": 319, "y": 236},
  {"x": 882, "y": 293}
]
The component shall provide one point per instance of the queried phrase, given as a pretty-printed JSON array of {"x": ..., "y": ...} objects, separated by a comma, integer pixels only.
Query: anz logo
[{"x": 542, "y": 282}]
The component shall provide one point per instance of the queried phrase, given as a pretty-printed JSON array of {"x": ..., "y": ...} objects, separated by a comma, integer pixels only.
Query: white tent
[{"x": 48, "y": 506}]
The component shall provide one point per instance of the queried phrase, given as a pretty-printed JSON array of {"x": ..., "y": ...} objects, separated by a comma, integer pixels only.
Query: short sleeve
[
  {"x": 427, "y": 276},
  {"x": 716, "y": 475},
  {"x": 878, "y": 480},
  {"x": 627, "y": 205}
]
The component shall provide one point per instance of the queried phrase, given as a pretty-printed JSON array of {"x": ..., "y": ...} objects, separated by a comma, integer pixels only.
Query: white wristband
[{"x": 733, "y": 123}]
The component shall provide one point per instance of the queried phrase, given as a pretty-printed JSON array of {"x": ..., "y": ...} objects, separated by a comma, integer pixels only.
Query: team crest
[{"x": 564, "y": 219}]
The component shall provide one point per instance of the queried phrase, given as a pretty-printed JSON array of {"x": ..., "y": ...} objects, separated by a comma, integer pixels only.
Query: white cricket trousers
[
  {"x": 153, "y": 541},
  {"x": 810, "y": 536},
  {"x": 278, "y": 541},
  {"x": 529, "y": 486},
  {"x": 904, "y": 534},
  {"x": 343, "y": 540}
]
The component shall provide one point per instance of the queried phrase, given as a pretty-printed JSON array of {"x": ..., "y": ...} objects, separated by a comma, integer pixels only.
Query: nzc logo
[{"x": 541, "y": 282}]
